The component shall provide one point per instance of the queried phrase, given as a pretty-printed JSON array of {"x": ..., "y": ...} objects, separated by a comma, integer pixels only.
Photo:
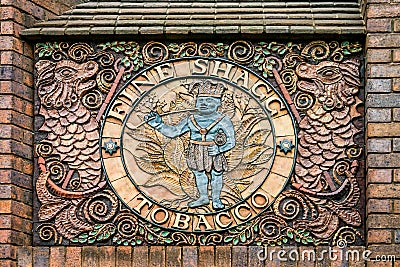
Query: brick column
[
  {"x": 16, "y": 121},
  {"x": 383, "y": 127}
]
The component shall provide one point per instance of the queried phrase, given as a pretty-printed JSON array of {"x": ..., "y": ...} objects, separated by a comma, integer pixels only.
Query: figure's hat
[{"x": 207, "y": 88}]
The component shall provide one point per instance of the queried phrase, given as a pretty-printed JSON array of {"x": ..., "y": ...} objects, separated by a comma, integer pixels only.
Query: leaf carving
[
  {"x": 168, "y": 180},
  {"x": 174, "y": 154},
  {"x": 151, "y": 166}
]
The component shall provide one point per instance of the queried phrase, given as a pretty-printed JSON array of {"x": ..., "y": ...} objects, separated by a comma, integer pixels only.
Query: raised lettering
[
  {"x": 259, "y": 200},
  {"x": 225, "y": 70},
  {"x": 202, "y": 221},
  {"x": 242, "y": 207},
  {"x": 244, "y": 77},
  {"x": 218, "y": 219},
  {"x": 164, "y": 71},
  {"x": 153, "y": 215},
  {"x": 202, "y": 65},
  {"x": 181, "y": 223},
  {"x": 144, "y": 201}
]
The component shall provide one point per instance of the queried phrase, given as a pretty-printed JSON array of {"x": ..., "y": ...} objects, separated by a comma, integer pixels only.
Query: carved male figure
[{"x": 211, "y": 134}]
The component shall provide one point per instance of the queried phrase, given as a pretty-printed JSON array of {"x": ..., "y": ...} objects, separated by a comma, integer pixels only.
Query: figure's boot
[
  {"x": 202, "y": 184},
  {"x": 216, "y": 185}
]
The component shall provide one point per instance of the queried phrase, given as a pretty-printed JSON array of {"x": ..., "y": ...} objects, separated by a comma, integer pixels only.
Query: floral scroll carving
[{"x": 320, "y": 82}]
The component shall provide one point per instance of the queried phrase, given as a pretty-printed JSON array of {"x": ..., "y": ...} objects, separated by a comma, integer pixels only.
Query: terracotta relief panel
[{"x": 189, "y": 143}]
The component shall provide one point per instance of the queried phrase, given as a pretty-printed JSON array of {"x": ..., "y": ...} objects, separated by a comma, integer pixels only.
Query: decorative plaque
[{"x": 198, "y": 143}]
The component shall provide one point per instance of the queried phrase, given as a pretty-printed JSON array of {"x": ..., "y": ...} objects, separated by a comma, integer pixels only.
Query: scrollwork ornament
[
  {"x": 317, "y": 50},
  {"x": 126, "y": 225},
  {"x": 44, "y": 149},
  {"x": 57, "y": 170},
  {"x": 154, "y": 52},
  {"x": 303, "y": 101},
  {"x": 289, "y": 79},
  {"x": 105, "y": 79},
  {"x": 47, "y": 233},
  {"x": 291, "y": 205},
  {"x": 104, "y": 58},
  {"x": 271, "y": 228},
  {"x": 339, "y": 169},
  {"x": 80, "y": 52},
  {"x": 354, "y": 152},
  {"x": 183, "y": 50},
  {"x": 210, "y": 49},
  {"x": 92, "y": 100},
  {"x": 241, "y": 52},
  {"x": 346, "y": 234},
  {"x": 101, "y": 207}
]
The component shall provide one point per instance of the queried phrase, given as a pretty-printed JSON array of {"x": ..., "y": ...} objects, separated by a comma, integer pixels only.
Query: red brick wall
[
  {"x": 16, "y": 111},
  {"x": 383, "y": 127}
]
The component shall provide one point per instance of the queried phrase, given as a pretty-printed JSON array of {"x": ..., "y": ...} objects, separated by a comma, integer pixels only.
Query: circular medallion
[{"x": 198, "y": 144}]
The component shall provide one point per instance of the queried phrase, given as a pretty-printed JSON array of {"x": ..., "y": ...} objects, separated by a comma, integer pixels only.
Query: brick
[
  {"x": 11, "y": 191},
  {"x": 173, "y": 256},
  {"x": 206, "y": 256},
  {"x": 383, "y": 71},
  {"x": 57, "y": 256},
  {"x": 8, "y": 251},
  {"x": 383, "y": 40},
  {"x": 123, "y": 256},
  {"x": 13, "y": 237},
  {"x": 89, "y": 256},
  {"x": 24, "y": 136},
  {"x": 380, "y": 221},
  {"x": 10, "y": 28},
  {"x": 379, "y": 86},
  {"x": 73, "y": 256},
  {"x": 11, "y": 43},
  {"x": 379, "y": 175},
  {"x": 16, "y": 148},
  {"x": 397, "y": 236},
  {"x": 16, "y": 163},
  {"x": 396, "y": 175},
  {"x": 24, "y": 256},
  {"x": 223, "y": 256},
  {"x": 107, "y": 256},
  {"x": 379, "y": 115},
  {"x": 189, "y": 256},
  {"x": 8, "y": 263},
  {"x": 384, "y": 160},
  {"x": 379, "y": 145},
  {"x": 140, "y": 256},
  {"x": 384, "y": 190},
  {"x": 41, "y": 256},
  {"x": 379, "y": 25},
  {"x": 396, "y": 25},
  {"x": 379, "y": 55},
  {"x": 16, "y": 59},
  {"x": 379, "y": 205},
  {"x": 157, "y": 256},
  {"x": 384, "y": 250},
  {"x": 16, "y": 178},
  {"x": 383, "y": 129},
  {"x": 16, "y": 88},
  {"x": 253, "y": 257},
  {"x": 9, "y": 206},
  {"x": 383, "y": 10},
  {"x": 239, "y": 256},
  {"x": 379, "y": 236},
  {"x": 396, "y": 85},
  {"x": 16, "y": 118},
  {"x": 16, "y": 223},
  {"x": 396, "y": 144}
]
